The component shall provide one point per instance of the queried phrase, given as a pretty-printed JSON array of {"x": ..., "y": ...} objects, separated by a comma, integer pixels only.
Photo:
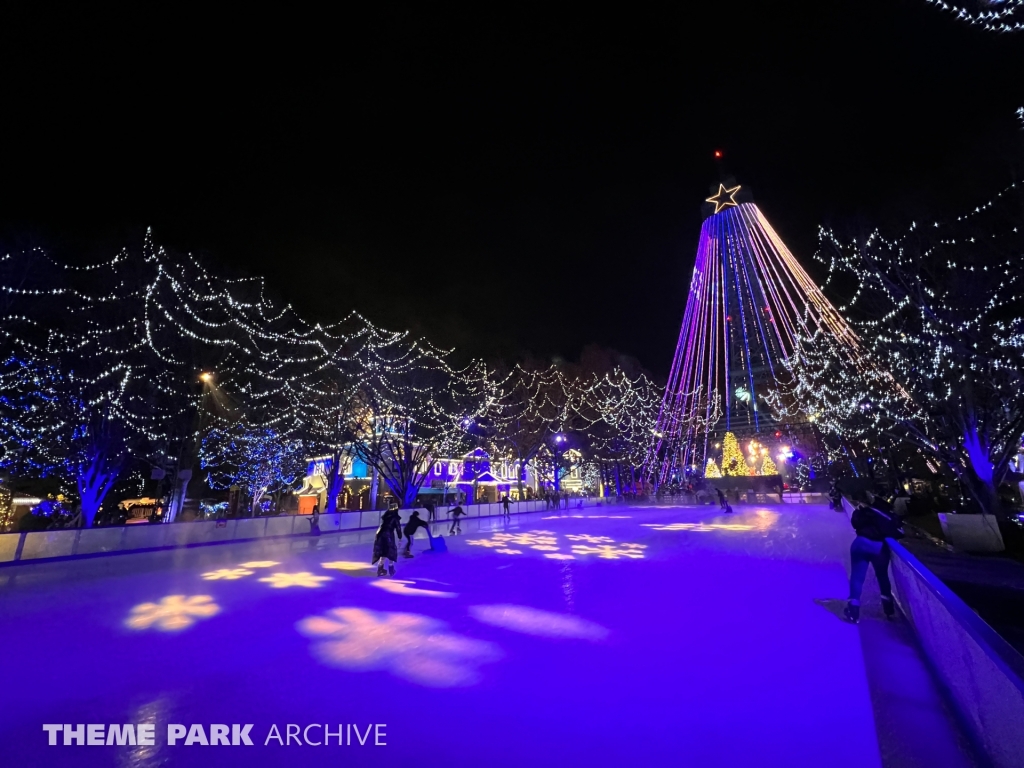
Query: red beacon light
[{"x": 718, "y": 154}]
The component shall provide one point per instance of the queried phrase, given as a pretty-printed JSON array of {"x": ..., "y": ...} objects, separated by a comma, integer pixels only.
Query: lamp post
[{"x": 189, "y": 446}]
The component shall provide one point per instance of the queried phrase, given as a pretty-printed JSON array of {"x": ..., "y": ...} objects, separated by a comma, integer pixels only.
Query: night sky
[{"x": 504, "y": 180}]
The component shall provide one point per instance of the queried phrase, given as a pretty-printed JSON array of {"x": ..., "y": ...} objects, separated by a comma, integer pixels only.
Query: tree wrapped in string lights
[
  {"x": 749, "y": 303},
  {"x": 63, "y": 424},
  {"x": 990, "y": 15},
  {"x": 417, "y": 408},
  {"x": 104, "y": 363},
  {"x": 597, "y": 408},
  {"x": 259, "y": 460},
  {"x": 940, "y": 310}
]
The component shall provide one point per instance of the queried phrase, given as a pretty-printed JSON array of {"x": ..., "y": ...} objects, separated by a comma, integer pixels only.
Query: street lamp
[{"x": 206, "y": 377}]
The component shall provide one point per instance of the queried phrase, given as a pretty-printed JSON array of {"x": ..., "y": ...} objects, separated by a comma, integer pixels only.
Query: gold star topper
[{"x": 724, "y": 198}]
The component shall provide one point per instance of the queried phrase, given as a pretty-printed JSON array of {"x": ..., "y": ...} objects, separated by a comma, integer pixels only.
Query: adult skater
[
  {"x": 721, "y": 498},
  {"x": 414, "y": 524},
  {"x": 873, "y": 527},
  {"x": 505, "y": 505},
  {"x": 456, "y": 514},
  {"x": 314, "y": 522},
  {"x": 431, "y": 510},
  {"x": 835, "y": 496},
  {"x": 385, "y": 547}
]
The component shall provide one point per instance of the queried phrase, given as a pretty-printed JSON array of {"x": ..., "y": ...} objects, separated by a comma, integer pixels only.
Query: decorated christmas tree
[
  {"x": 733, "y": 463},
  {"x": 750, "y": 303},
  {"x": 803, "y": 474},
  {"x": 712, "y": 470},
  {"x": 768, "y": 466}
]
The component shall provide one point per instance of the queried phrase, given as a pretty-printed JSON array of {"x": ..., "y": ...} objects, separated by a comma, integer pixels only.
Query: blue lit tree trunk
[{"x": 98, "y": 470}]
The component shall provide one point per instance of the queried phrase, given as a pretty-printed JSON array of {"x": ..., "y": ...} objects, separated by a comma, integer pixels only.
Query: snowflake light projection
[
  {"x": 531, "y": 621},
  {"x": 588, "y": 517},
  {"x": 173, "y": 613},
  {"x": 547, "y": 542},
  {"x": 347, "y": 566},
  {"x": 226, "y": 573},
  {"x": 588, "y": 538},
  {"x": 410, "y": 646},
  {"x": 301, "y": 579},
  {"x": 611, "y": 551},
  {"x": 489, "y": 543},
  {"x": 749, "y": 302},
  {"x": 401, "y": 587},
  {"x": 700, "y": 527}
]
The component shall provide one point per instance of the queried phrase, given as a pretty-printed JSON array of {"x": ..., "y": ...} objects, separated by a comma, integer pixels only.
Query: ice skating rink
[{"x": 608, "y": 636}]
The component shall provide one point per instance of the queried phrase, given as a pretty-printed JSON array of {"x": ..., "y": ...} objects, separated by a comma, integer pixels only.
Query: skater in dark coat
[
  {"x": 384, "y": 545},
  {"x": 414, "y": 524},
  {"x": 721, "y": 498},
  {"x": 456, "y": 512},
  {"x": 873, "y": 527},
  {"x": 504, "y": 504}
]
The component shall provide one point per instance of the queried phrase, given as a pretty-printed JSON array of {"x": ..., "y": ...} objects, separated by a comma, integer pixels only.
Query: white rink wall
[{"x": 46, "y": 545}]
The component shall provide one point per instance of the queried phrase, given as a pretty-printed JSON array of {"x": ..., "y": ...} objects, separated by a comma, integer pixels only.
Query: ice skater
[
  {"x": 431, "y": 510},
  {"x": 414, "y": 524},
  {"x": 314, "y": 522},
  {"x": 721, "y": 498},
  {"x": 385, "y": 548},
  {"x": 835, "y": 497},
  {"x": 505, "y": 505},
  {"x": 456, "y": 512},
  {"x": 873, "y": 527}
]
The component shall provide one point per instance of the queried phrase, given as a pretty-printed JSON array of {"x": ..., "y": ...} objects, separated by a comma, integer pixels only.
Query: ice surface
[{"x": 602, "y": 638}]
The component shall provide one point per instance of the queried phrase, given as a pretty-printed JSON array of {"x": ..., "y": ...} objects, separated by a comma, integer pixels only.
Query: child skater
[{"x": 384, "y": 545}]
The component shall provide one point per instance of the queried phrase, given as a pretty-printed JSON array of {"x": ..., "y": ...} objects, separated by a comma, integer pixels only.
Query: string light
[
  {"x": 941, "y": 313},
  {"x": 750, "y": 302},
  {"x": 149, "y": 358},
  {"x": 997, "y": 16}
]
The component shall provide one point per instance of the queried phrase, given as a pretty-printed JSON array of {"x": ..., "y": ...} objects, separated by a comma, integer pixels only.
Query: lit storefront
[{"x": 473, "y": 478}]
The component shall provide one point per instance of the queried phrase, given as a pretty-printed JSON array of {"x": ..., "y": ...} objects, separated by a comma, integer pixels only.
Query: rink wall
[
  {"x": 982, "y": 674},
  {"x": 85, "y": 542}
]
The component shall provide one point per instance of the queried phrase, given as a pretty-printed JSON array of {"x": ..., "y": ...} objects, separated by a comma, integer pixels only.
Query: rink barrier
[
  {"x": 981, "y": 673},
  {"x": 91, "y": 542}
]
